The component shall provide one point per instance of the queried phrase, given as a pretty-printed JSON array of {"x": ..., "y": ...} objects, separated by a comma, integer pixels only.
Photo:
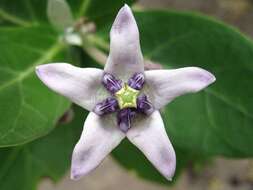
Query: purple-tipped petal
[
  {"x": 111, "y": 83},
  {"x": 81, "y": 85},
  {"x": 124, "y": 117},
  {"x": 99, "y": 137},
  {"x": 109, "y": 105},
  {"x": 166, "y": 85},
  {"x": 149, "y": 135},
  {"x": 125, "y": 56},
  {"x": 137, "y": 81},
  {"x": 143, "y": 105}
]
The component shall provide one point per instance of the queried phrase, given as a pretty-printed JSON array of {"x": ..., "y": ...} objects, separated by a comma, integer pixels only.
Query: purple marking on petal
[
  {"x": 109, "y": 105},
  {"x": 137, "y": 81},
  {"x": 124, "y": 117},
  {"x": 143, "y": 105},
  {"x": 111, "y": 83}
]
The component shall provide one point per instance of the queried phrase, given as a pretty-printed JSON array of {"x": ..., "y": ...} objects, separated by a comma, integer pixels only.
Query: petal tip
[
  {"x": 170, "y": 175},
  {"x": 204, "y": 76},
  {"x": 212, "y": 78},
  {"x": 168, "y": 167},
  {"x": 46, "y": 69},
  {"x": 39, "y": 71},
  {"x": 42, "y": 72},
  {"x": 75, "y": 175},
  {"x": 125, "y": 10},
  {"x": 209, "y": 77},
  {"x": 124, "y": 18}
]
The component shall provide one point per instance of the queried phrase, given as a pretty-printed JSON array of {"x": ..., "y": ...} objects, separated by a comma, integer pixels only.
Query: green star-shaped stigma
[{"x": 127, "y": 97}]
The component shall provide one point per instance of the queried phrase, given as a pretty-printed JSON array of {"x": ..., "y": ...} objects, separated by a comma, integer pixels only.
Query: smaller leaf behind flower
[
  {"x": 59, "y": 14},
  {"x": 22, "y": 167}
]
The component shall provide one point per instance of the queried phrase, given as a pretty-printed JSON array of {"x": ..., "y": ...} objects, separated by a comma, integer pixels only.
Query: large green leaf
[
  {"x": 216, "y": 121},
  {"x": 27, "y": 108},
  {"x": 23, "y": 166}
]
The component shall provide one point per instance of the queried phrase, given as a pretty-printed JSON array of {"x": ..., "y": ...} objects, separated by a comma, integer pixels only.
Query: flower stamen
[
  {"x": 111, "y": 83},
  {"x": 109, "y": 105},
  {"x": 137, "y": 81},
  {"x": 124, "y": 118}
]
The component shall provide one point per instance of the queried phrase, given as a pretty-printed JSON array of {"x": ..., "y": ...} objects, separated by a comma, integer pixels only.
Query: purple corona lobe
[
  {"x": 124, "y": 117},
  {"x": 137, "y": 81},
  {"x": 143, "y": 105},
  {"x": 111, "y": 83},
  {"x": 109, "y": 105}
]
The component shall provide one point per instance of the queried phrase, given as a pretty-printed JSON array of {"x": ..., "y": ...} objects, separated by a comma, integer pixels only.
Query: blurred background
[{"x": 220, "y": 174}]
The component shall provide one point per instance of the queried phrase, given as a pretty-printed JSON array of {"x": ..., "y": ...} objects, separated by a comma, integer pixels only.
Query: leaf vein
[
  {"x": 229, "y": 103},
  {"x": 46, "y": 57},
  {"x": 14, "y": 19}
]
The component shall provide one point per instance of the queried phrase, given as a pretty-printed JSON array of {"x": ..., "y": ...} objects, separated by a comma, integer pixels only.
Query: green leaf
[
  {"x": 216, "y": 121},
  {"x": 22, "y": 167},
  {"x": 28, "y": 108},
  {"x": 24, "y": 13}
]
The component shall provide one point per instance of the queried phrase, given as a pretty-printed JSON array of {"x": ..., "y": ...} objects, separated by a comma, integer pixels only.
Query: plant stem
[
  {"x": 99, "y": 42},
  {"x": 99, "y": 56}
]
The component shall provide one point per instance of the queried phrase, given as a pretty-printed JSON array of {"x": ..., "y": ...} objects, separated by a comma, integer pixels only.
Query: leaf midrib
[
  {"x": 55, "y": 48},
  {"x": 13, "y": 19},
  {"x": 229, "y": 103}
]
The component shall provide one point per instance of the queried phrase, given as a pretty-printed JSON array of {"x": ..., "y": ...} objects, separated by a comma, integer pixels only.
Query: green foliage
[
  {"x": 23, "y": 166},
  {"x": 24, "y": 101}
]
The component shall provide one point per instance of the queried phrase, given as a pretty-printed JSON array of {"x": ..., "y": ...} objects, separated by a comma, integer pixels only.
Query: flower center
[{"x": 127, "y": 97}]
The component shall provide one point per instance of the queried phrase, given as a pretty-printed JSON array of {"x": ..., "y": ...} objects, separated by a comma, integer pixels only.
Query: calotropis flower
[{"x": 123, "y": 100}]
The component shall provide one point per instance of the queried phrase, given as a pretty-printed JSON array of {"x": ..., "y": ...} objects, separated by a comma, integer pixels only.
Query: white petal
[
  {"x": 125, "y": 56},
  {"x": 81, "y": 85},
  {"x": 165, "y": 85},
  {"x": 150, "y": 137},
  {"x": 99, "y": 137},
  {"x": 59, "y": 14}
]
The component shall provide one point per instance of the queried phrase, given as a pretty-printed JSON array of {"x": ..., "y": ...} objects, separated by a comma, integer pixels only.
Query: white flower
[{"x": 123, "y": 87}]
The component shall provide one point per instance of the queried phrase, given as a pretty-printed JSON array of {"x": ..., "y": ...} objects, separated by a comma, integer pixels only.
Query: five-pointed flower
[{"x": 123, "y": 100}]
